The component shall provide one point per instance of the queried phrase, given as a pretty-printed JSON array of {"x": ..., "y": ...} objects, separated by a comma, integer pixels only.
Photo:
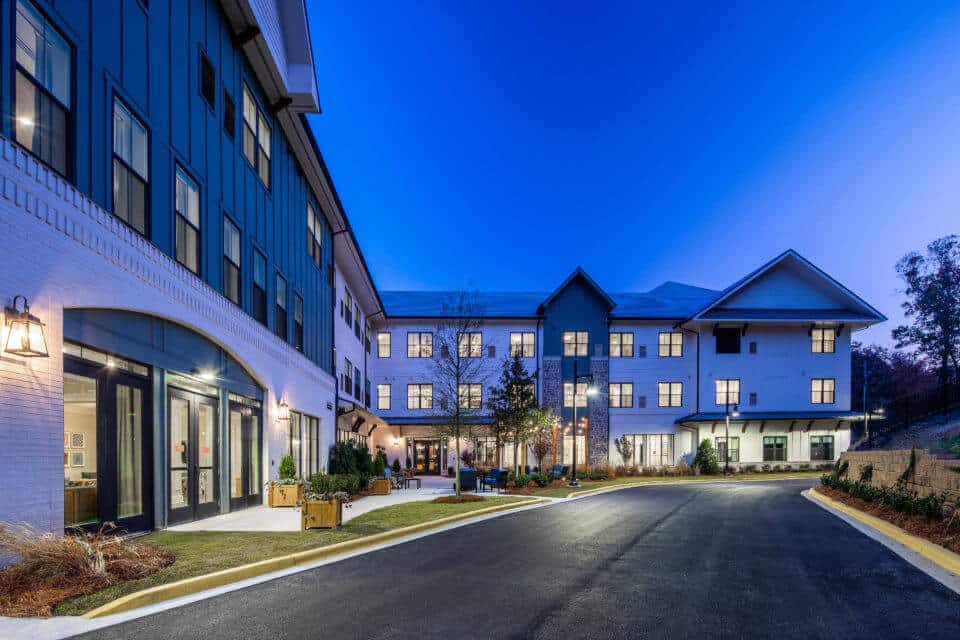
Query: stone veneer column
[
  {"x": 599, "y": 427},
  {"x": 551, "y": 388}
]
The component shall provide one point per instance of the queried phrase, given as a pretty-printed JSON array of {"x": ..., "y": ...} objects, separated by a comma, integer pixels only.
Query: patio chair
[
  {"x": 559, "y": 470},
  {"x": 468, "y": 479},
  {"x": 496, "y": 479}
]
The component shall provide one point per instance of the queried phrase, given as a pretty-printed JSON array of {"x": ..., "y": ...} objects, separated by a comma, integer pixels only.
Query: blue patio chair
[
  {"x": 559, "y": 470},
  {"x": 496, "y": 479},
  {"x": 468, "y": 479}
]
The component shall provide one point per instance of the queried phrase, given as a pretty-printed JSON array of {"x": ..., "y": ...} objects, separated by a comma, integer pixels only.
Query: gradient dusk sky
[{"x": 498, "y": 145}]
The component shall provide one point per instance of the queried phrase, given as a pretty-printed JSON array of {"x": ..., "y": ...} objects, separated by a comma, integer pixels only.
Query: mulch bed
[
  {"x": 465, "y": 497},
  {"x": 935, "y": 532}
]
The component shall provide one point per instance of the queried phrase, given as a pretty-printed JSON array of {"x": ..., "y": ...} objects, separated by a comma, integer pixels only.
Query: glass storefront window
[
  {"x": 80, "y": 499},
  {"x": 179, "y": 455}
]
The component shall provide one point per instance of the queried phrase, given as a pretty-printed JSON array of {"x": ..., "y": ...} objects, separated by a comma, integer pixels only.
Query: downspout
[
  {"x": 694, "y": 432},
  {"x": 333, "y": 331}
]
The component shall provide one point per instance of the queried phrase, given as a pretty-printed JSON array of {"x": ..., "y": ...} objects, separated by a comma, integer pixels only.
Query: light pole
[
  {"x": 587, "y": 377},
  {"x": 726, "y": 441}
]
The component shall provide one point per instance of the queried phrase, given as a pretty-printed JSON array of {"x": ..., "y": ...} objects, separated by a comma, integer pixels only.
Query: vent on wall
[
  {"x": 642, "y": 351},
  {"x": 492, "y": 351},
  {"x": 753, "y": 398},
  {"x": 753, "y": 347}
]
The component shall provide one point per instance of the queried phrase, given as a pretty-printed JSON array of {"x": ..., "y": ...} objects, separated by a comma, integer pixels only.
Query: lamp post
[
  {"x": 587, "y": 377},
  {"x": 726, "y": 441}
]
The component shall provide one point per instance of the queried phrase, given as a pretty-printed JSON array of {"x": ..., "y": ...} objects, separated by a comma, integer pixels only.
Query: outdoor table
[{"x": 407, "y": 481}]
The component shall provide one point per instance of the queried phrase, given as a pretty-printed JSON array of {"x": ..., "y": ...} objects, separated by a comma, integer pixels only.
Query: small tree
[
  {"x": 458, "y": 365},
  {"x": 343, "y": 459},
  {"x": 287, "y": 470},
  {"x": 541, "y": 433},
  {"x": 706, "y": 459},
  {"x": 624, "y": 448},
  {"x": 933, "y": 304},
  {"x": 396, "y": 466},
  {"x": 512, "y": 402}
]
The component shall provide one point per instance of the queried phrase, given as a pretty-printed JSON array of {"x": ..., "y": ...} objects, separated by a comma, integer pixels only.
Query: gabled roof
[
  {"x": 869, "y": 314},
  {"x": 581, "y": 274}
]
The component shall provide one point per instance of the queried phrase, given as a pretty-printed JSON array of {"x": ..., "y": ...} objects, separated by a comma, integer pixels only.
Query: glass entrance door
[
  {"x": 106, "y": 447},
  {"x": 426, "y": 456},
  {"x": 194, "y": 466},
  {"x": 244, "y": 456}
]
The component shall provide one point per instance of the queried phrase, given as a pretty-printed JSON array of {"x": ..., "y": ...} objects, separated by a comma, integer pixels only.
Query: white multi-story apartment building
[{"x": 665, "y": 368}]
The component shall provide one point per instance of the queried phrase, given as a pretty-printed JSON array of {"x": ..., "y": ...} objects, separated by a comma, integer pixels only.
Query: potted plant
[
  {"x": 322, "y": 506},
  {"x": 285, "y": 491}
]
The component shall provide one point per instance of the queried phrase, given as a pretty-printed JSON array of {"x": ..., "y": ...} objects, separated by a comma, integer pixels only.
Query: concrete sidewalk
[{"x": 263, "y": 518}]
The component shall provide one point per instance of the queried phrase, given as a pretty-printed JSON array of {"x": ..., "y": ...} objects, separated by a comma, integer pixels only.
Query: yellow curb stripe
[
  {"x": 188, "y": 586},
  {"x": 940, "y": 556},
  {"x": 630, "y": 485}
]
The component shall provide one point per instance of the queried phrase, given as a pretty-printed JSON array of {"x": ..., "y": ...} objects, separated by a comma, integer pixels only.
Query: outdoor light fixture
[
  {"x": 591, "y": 391},
  {"x": 24, "y": 331},
  {"x": 283, "y": 411},
  {"x": 396, "y": 442}
]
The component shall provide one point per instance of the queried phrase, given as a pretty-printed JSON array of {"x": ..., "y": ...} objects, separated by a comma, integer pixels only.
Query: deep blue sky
[{"x": 497, "y": 145}]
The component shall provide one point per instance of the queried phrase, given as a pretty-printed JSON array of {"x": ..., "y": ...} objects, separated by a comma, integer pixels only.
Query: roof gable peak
[{"x": 578, "y": 274}]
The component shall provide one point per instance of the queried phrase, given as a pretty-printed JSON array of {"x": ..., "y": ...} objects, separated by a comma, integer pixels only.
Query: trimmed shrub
[
  {"x": 287, "y": 471},
  {"x": 542, "y": 479},
  {"x": 706, "y": 458},
  {"x": 866, "y": 473},
  {"x": 396, "y": 466},
  {"x": 343, "y": 458}
]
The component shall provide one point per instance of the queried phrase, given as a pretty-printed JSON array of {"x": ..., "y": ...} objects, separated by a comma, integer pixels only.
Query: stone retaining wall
[{"x": 930, "y": 474}]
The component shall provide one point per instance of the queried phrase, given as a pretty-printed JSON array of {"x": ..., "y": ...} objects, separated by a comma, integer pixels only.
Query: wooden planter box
[
  {"x": 380, "y": 487},
  {"x": 321, "y": 515},
  {"x": 284, "y": 495}
]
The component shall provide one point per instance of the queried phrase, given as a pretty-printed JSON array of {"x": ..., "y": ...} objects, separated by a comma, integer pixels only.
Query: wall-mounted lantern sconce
[
  {"x": 396, "y": 441},
  {"x": 24, "y": 331},
  {"x": 283, "y": 411}
]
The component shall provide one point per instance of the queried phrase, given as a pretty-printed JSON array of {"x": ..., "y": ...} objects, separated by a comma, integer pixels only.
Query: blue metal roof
[{"x": 670, "y": 300}]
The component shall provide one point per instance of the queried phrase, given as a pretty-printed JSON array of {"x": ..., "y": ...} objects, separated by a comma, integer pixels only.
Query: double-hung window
[
  {"x": 256, "y": 137},
  {"x": 419, "y": 345},
  {"x": 346, "y": 308},
  {"x": 821, "y": 447},
  {"x": 130, "y": 177},
  {"x": 259, "y": 306},
  {"x": 521, "y": 344},
  {"x": 823, "y": 390},
  {"x": 420, "y": 396},
  {"x": 188, "y": 221},
  {"x": 43, "y": 78},
  {"x": 383, "y": 396},
  {"x": 383, "y": 344},
  {"x": 297, "y": 322},
  {"x": 774, "y": 448},
  {"x": 314, "y": 236},
  {"x": 231, "y": 261},
  {"x": 727, "y": 391},
  {"x": 670, "y": 344},
  {"x": 733, "y": 450},
  {"x": 470, "y": 395},
  {"x": 575, "y": 343},
  {"x": 470, "y": 345},
  {"x": 823, "y": 340},
  {"x": 581, "y": 394},
  {"x": 621, "y": 395},
  {"x": 346, "y": 380},
  {"x": 621, "y": 345},
  {"x": 280, "y": 300},
  {"x": 669, "y": 394}
]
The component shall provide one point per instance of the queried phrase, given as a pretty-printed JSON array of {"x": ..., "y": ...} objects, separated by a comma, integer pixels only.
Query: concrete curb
[
  {"x": 590, "y": 492},
  {"x": 943, "y": 558},
  {"x": 189, "y": 586}
]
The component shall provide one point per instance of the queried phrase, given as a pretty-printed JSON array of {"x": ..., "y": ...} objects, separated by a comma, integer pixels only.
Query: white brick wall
[{"x": 61, "y": 251}]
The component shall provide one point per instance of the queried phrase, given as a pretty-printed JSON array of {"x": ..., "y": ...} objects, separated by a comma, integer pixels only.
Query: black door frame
[
  {"x": 246, "y": 425},
  {"x": 194, "y": 511},
  {"x": 107, "y": 379},
  {"x": 429, "y": 442}
]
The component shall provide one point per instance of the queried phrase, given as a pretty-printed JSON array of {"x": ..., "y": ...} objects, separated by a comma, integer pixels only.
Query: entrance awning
[
  {"x": 358, "y": 419},
  {"x": 752, "y": 416}
]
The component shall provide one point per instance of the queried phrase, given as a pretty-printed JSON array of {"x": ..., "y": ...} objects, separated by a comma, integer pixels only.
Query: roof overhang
[
  {"x": 752, "y": 416},
  {"x": 409, "y": 421}
]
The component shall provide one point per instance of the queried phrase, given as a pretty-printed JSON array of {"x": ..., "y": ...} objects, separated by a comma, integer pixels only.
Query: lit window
[
  {"x": 419, "y": 345},
  {"x": 671, "y": 344},
  {"x": 823, "y": 390},
  {"x": 419, "y": 396},
  {"x": 383, "y": 396},
  {"x": 581, "y": 394},
  {"x": 383, "y": 344},
  {"x": 43, "y": 86},
  {"x": 575, "y": 343},
  {"x": 669, "y": 394},
  {"x": 727, "y": 391},
  {"x": 470, "y": 396},
  {"x": 621, "y": 395},
  {"x": 521, "y": 344},
  {"x": 621, "y": 345},
  {"x": 823, "y": 340},
  {"x": 188, "y": 221},
  {"x": 470, "y": 345},
  {"x": 256, "y": 138},
  {"x": 130, "y": 181}
]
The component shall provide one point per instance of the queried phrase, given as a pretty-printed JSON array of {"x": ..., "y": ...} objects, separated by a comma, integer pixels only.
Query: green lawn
[
  {"x": 563, "y": 492},
  {"x": 203, "y": 552}
]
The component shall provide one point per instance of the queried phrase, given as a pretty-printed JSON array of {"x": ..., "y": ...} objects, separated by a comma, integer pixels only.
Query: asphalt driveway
[{"x": 719, "y": 560}]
